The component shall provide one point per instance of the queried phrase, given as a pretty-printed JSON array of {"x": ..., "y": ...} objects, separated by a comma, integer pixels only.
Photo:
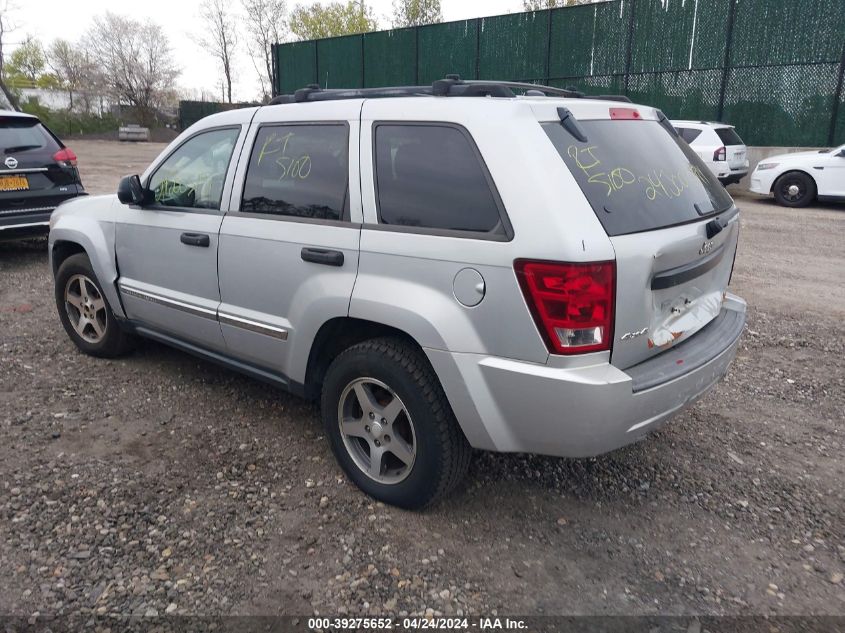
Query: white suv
[
  {"x": 442, "y": 267},
  {"x": 719, "y": 146}
]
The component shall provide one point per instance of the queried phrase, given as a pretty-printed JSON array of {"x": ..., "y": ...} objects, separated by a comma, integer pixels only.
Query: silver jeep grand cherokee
[{"x": 466, "y": 264}]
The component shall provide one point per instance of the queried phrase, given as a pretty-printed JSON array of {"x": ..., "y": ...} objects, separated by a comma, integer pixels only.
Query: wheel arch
[
  {"x": 795, "y": 170},
  {"x": 78, "y": 234},
  {"x": 338, "y": 334},
  {"x": 61, "y": 250}
]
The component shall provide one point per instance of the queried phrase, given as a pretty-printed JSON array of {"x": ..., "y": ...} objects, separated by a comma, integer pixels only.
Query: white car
[
  {"x": 799, "y": 178},
  {"x": 719, "y": 146}
]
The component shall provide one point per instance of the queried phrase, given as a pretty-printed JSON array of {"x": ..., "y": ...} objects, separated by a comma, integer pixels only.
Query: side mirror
[
  {"x": 131, "y": 191},
  {"x": 841, "y": 153}
]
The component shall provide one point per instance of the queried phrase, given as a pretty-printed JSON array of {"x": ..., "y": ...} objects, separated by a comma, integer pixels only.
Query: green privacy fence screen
[
  {"x": 192, "y": 111},
  {"x": 773, "y": 68}
]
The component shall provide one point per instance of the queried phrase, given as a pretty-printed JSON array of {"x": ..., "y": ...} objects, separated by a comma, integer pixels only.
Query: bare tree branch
[
  {"x": 220, "y": 37},
  {"x": 136, "y": 60},
  {"x": 266, "y": 25}
]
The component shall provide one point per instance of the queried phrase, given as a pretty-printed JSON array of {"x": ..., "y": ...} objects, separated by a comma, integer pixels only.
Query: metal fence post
[
  {"x": 363, "y": 74},
  {"x": 547, "y": 78},
  {"x": 478, "y": 48},
  {"x": 630, "y": 52},
  {"x": 317, "y": 62},
  {"x": 275, "y": 87},
  {"x": 416, "y": 56},
  {"x": 837, "y": 97},
  {"x": 727, "y": 67}
]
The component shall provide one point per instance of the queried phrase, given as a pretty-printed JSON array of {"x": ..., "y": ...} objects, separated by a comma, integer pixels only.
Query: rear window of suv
[
  {"x": 19, "y": 134},
  {"x": 728, "y": 136},
  {"x": 638, "y": 176}
]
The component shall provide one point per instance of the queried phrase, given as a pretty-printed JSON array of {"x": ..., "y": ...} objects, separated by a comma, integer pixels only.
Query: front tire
[
  {"x": 85, "y": 312},
  {"x": 390, "y": 425},
  {"x": 794, "y": 189}
]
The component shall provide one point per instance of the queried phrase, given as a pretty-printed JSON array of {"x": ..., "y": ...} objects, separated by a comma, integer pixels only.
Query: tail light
[
  {"x": 65, "y": 157},
  {"x": 720, "y": 154},
  {"x": 572, "y": 304}
]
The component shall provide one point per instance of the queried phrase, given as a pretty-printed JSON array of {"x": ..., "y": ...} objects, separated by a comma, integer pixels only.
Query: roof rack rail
[{"x": 450, "y": 86}]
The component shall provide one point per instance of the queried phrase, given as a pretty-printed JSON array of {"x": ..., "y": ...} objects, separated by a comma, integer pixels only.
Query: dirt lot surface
[{"x": 159, "y": 483}]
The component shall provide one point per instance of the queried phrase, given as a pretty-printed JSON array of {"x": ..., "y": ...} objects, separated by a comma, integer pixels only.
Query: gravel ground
[{"x": 162, "y": 484}]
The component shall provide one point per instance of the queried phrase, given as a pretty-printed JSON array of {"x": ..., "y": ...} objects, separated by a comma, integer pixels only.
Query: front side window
[
  {"x": 194, "y": 174},
  {"x": 431, "y": 176},
  {"x": 299, "y": 170}
]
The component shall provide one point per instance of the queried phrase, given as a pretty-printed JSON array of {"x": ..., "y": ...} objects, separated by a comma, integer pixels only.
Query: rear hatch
[
  {"x": 735, "y": 150},
  {"x": 34, "y": 174},
  {"x": 655, "y": 199}
]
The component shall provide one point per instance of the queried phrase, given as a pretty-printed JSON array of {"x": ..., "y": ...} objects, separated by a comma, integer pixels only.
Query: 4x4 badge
[
  {"x": 629, "y": 335},
  {"x": 705, "y": 248}
]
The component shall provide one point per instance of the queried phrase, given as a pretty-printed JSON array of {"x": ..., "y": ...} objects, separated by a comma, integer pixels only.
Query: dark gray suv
[{"x": 37, "y": 173}]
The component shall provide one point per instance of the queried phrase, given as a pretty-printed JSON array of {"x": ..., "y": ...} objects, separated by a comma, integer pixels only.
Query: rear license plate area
[{"x": 14, "y": 183}]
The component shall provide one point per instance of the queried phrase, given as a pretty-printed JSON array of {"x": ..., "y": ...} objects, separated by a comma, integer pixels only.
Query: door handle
[
  {"x": 195, "y": 239},
  {"x": 322, "y": 256}
]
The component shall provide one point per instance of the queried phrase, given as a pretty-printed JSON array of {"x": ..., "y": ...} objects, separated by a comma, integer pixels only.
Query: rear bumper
[
  {"x": 29, "y": 225},
  {"x": 512, "y": 406},
  {"x": 31, "y": 215},
  {"x": 733, "y": 177}
]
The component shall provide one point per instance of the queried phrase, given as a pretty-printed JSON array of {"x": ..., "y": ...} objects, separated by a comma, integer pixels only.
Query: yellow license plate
[{"x": 14, "y": 183}]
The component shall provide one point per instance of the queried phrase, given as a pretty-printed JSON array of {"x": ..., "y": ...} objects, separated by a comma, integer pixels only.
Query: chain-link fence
[{"x": 773, "y": 68}]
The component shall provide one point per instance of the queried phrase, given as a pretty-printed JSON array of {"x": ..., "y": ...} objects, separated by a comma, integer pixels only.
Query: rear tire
[
  {"x": 382, "y": 399},
  {"x": 794, "y": 189},
  {"x": 85, "y": 312}
]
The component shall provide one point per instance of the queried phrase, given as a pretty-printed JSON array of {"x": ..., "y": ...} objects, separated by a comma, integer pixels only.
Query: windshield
[{"x": 638, "y": 176}]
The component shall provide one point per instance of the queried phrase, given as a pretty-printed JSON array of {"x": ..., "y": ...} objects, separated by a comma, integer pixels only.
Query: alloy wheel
[
  {"x": 86, "y": 308},
  {"x": 377, "y": 430}
]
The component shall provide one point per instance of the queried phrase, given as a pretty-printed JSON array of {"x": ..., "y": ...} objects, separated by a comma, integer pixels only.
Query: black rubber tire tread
[
  {"x": 454, "y": 451},
  {"x": 809, "y": 183},
  {"x": 117, "y": 342}
]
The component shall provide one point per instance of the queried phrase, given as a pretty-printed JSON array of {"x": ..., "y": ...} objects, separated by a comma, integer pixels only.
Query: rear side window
[
  {"x": 298, "y": 170},
  {"x": 688, "y": 134},
  {"x": 637, "y": 175},
  {"x": 18, "y": 134},
  {"x": 431, "y": 176},
  {"x": 729, "y": 136}
]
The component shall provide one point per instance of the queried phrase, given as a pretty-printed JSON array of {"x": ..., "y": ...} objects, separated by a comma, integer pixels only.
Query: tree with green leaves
[
  {"x": 331, "y": 19},
  {"x": 539, "y": 5},
  {"x": 416, "y": 12},
  {"x": 7, "y": 25},
  {"x": 27, "y": 61}
]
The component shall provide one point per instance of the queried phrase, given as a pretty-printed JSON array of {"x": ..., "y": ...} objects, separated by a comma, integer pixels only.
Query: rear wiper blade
[{"x": 20, "y": 148}]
